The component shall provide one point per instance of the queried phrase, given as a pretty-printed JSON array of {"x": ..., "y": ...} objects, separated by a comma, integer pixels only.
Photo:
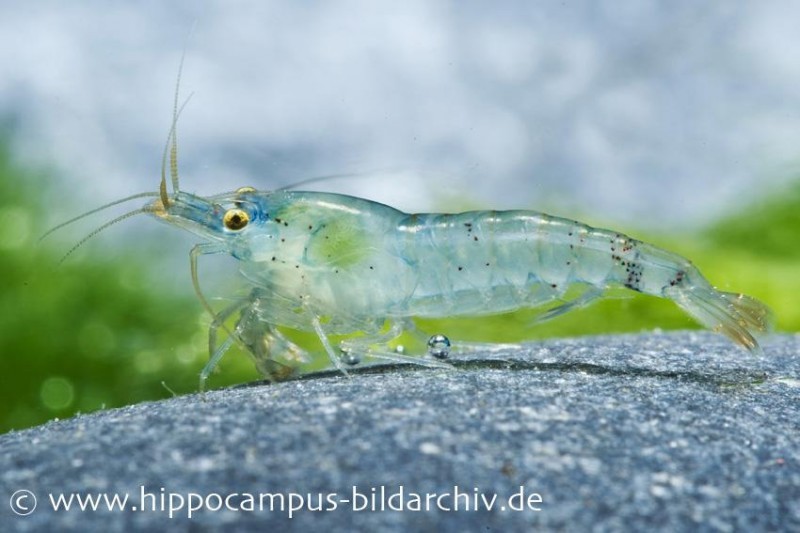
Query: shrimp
[{"x": 338, "y": 265}]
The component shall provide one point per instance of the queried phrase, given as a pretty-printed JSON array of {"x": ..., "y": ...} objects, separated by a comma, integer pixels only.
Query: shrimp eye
[{"x": 235, "y": 219}]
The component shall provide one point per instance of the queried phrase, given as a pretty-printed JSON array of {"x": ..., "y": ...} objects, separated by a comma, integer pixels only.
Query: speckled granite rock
[{"x": 680, "y": 431}]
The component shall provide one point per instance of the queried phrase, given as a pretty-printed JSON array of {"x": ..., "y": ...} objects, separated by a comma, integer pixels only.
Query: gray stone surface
[{"x": 679, "y": 431}]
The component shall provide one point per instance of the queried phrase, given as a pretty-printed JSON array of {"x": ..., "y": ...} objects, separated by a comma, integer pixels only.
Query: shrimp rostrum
[{"x": 335, "y": 264}]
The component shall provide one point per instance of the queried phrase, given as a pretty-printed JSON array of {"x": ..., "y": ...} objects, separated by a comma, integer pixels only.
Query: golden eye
[{"x": 235, "y": 219}]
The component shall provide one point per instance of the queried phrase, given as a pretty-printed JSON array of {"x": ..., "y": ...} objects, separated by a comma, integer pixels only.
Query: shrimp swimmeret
[{"x": 339, "y": 265}]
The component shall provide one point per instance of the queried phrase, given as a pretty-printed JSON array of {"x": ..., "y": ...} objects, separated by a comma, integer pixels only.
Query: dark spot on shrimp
[
  {"x": 678, "y": 278},
  {"x": 273, "y": 258},
  {"x": 634, "y": 277},
  {"x": 475, "y": 238},
  {"x": 632, "y": 285},
  {"x": 554, "y": 285},
  {"x": 460, "y": 268}
]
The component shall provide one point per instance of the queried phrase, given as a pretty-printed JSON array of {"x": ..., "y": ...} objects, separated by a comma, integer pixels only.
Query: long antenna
[
  {"x": 173, "y": 149},
  {"x": 340, "y": 175},
  {"x": 172, "y": 138},
  {"x": 97, "y": 210},
  {"x": 120, "y": 218}
]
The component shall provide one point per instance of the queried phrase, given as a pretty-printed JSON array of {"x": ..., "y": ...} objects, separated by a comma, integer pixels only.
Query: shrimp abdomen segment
[{"x": 494, "y": 261}]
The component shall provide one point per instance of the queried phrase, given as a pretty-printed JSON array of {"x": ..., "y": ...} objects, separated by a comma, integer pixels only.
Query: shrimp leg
[
  {"x": 265, "y": 343},
  {"x": 218, "y": 351},
  {"x": 214, "y": 360},
  {"x": 377, "y": 346},
  {"x": 272, "y": 343},
  {"x": 196, "y": 251},
  {"x": 326, "y": 343},
  {"x": 589, "y": 295}
]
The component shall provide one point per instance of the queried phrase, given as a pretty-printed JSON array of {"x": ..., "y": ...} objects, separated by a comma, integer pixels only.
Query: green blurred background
[{"x": 95, "y": 332}]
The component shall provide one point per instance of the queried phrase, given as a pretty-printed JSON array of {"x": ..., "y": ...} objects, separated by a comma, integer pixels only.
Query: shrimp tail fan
[{"x": 740, "y": 317}]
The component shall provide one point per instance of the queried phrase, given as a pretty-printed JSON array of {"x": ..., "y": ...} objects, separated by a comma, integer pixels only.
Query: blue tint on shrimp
[{"x": 335, "y": 265}]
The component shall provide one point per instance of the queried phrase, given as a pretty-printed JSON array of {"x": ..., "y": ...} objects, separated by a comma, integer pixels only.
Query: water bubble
[
  {"x": 349, "y": 357},
  {"x": 439, "y": 346},
  {"x": 400, "y": 349}
]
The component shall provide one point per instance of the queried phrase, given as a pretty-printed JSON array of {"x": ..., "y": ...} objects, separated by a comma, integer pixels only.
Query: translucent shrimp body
[
  {"x": 339, "y": 265},
  {"x": 334, "y": 264}
]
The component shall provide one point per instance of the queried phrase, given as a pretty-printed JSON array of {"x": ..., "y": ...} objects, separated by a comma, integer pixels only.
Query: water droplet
[
  {"x": 400, "y": 349},
  {"x": 439, "y": 346},
  {"x": 349, "y": 357}
]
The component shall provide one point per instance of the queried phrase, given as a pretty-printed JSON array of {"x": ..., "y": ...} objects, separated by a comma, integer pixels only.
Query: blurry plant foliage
[
  {"x": 92, "y": 333},
  {"x": 89, "y": 333}
]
